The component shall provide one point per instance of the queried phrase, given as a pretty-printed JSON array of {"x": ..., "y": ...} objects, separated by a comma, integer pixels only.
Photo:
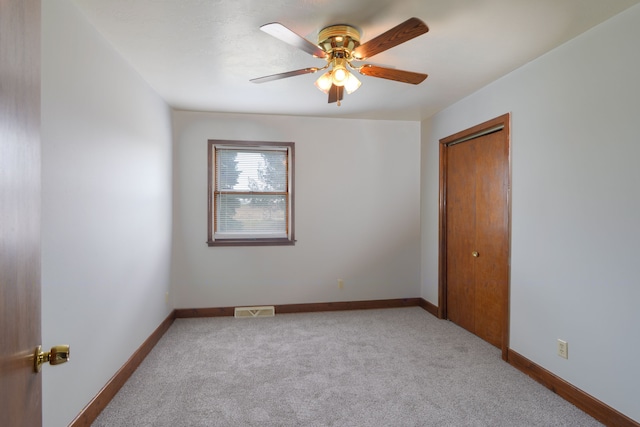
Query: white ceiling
[{"x": 201, "y": 54}]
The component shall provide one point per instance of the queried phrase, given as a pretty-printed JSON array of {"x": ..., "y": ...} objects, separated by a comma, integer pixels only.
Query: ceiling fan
[{"x": 340, "y": 45}]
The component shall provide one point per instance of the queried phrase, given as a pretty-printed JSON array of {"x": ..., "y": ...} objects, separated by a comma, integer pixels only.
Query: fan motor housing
[{"x": 339, "y": 40}]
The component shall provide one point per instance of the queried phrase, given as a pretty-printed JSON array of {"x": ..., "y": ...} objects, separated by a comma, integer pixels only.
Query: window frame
[{"x": 289, "y": 240}]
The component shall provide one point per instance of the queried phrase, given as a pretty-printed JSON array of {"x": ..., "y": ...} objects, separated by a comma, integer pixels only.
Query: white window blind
[{"x": 251, "y": 192}]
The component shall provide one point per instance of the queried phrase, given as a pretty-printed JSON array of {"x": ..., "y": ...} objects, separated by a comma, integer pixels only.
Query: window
[{"x": 250, "y": 193}]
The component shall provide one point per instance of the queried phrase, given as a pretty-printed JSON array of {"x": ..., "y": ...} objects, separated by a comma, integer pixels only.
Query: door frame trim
[{"x": 465, "y": 135}]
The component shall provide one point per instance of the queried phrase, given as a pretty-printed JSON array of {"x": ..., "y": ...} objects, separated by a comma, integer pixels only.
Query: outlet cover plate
[{"x": 563, "y": 349}]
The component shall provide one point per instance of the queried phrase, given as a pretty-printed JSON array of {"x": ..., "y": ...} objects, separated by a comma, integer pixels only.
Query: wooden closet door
[
  {"x": 477, "y": 235},
  {"x": 461, "y": 226},
  {"x": 491, "y": 236}
]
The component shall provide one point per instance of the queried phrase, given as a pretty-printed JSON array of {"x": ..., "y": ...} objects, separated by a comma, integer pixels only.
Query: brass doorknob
[
  {"x": 475, "y": 254},
  {"x": 57, "y": 355}
]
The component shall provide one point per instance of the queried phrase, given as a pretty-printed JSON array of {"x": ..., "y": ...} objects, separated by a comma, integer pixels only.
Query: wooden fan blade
[
  {"x": 412, "y": 27},
  {"x": 279, "y": 76},
  {"x": 336, "y": 93},
  {"x": 281, "y": 32},
  {"x": 392, "y": 74}
]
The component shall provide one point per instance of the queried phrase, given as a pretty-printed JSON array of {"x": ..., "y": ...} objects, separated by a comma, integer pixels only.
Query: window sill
[{"x": 251, "y": 242}]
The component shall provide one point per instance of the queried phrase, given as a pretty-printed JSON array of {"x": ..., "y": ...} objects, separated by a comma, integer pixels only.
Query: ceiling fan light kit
[{"x": 339, "y": 45}]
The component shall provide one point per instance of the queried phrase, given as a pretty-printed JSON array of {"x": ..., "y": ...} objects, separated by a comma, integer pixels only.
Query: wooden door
[
  {"x": 20, "y": 387},
  {"x": 475, "y": 218}
]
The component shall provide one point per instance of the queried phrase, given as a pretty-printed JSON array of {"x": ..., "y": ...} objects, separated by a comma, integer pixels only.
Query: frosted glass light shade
[
  {"x": 339, "y": 75},
  {"x": 324, "y": 82},
  {"x": 352, "y": 84}
]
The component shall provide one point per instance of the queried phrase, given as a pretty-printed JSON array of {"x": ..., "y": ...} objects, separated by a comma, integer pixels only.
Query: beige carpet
[{"x": 392, "y": 367}]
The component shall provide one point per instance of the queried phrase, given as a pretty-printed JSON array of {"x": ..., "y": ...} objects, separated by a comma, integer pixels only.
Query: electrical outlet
[
  {"x": 340, "y": 283},
  {"x": 563, "y": 349}
]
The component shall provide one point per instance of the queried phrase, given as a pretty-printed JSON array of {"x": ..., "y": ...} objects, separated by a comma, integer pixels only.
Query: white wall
[
  {"x": 106, "y": 209},
  {"x": 357, "y": 214},
  {"x": 576, "y": 206}
]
